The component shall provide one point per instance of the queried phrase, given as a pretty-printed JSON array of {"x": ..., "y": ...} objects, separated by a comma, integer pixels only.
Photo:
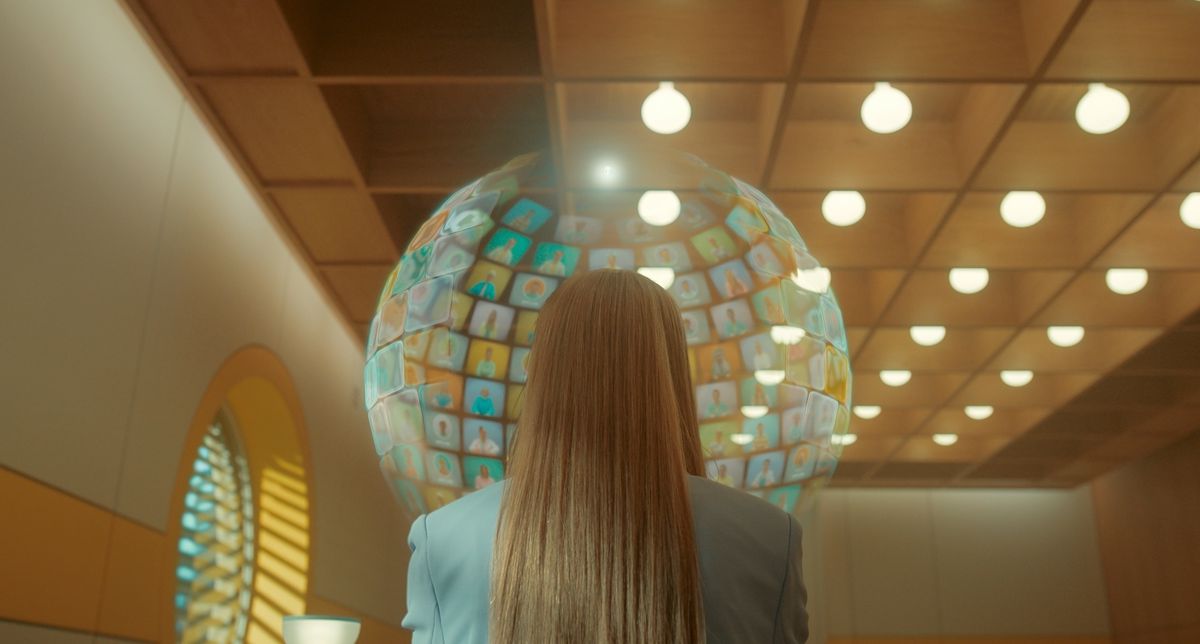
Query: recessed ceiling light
[
  {"x": 769, "y": 377},
  {"x": 968, "y": 280},
  {"x": 1189, "y": 210},
  {"x": 843, "y": 207},
  {"x": 978, "y": 412},
  {"x": 886, "y": 109},
  {"x": 660, "y": 275},
  {"x": 1102, "y": 109},
  {"x": 754, "y": 411},
  {"x": 1016, "y": 377},
  {"x": 666, "y": 110},
  {"x": 1065, "y": 336},
  {"x": 945, "y": 440},
  {"x": 1126, "y": 281},
  {"x": 867, "y": 412},
  {"x": 843, "y": 439},
  {"x": 895, "y": 377},
  {"x": 786, "y": 334},
  {"x": 659, "y": 207},
  {"x": 927, "y": 336},
  {"x": 1022, "y": 208}
]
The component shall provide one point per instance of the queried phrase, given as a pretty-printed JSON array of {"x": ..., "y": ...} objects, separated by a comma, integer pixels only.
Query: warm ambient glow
[
  {"x": 867, "y": 412},
  {"x": 945, "y": 440},
  {"x": 895, "y": 377},
  {"x": 968, "y": 280},
  {"x": 843, "y": 439},
  {"x": 666, "y": 110},
  {"x": 886, "y": 109},
  {"x": 786, "y": 334},
  {"x": 1189, "y": 210},
  {"x": 843, "y": 207},
  {"x": 927, "y": 336},
  {"x": 662, "y": 276},
  {"x": 978, "y": 412},
  {"x": 659, "y": 207},
  {"x": 1022, "y": 208},
  {"x": 1016, "y": 378},
  {"x": 1102, "y": 110},
  {"x": 607, "y": 173},
  {"x": 1126, "y": 281},
  {"x": 1065, "y": 336},
  {"x": 769, "y": 377},
  {"x": 754, "y": 411}
]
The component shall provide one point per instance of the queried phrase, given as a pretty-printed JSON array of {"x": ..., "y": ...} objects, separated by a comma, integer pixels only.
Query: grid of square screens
[{"x": 449, "y": 345}]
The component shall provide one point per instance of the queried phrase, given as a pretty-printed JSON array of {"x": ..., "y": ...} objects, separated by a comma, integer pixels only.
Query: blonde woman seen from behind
[{"x": 605, "y": 528}]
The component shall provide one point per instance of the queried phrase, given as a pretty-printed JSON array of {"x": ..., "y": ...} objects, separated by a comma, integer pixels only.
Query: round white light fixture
[
  {"x": 1189, "y": 210},
  {"x": 1126, "y": 281},
  {"x": 659, "y": 207},
  {"x": 867, "y": 412},
  {"x": 895, "y": 377},
  {"x": 968, "y": 280},
  {"x": 769, "y": 377},
  {"x": 607, "y": 173},
  {"x": 742, "y": 439},
  {"x": 1065, "y": 336},
  {"x": 660, "y": 275},
  {"x": 754, "y": 411},
  {"x": 843, "y": 439},
  {"x": 886, "y": 109},
  {"x": 786, "y": 334},
  {"x": 978, "y": 412},
  {"x": 1016, "y": 377},
  {"x": 927, "y": 336},
  {"x": 1102, "y": 110},
  {"x": 843, "y": 207},
  {"x": 666, "y": 110},
  {"x": 945, "y": 440},
  {"x": 1022, "y": 208}
]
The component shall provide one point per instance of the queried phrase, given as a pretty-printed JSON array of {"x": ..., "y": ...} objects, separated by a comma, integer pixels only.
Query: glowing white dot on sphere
[
  {"x": 1102, "y": 109},
  {"x": 1016, "y": 377},
  {"x": 1189, "y": 210},
  {"x": 1126, "y": 281},
  {"x": 1065, "y": 336},
  {"x": 978, "y": 412},
  {"x": 895, "y": 377},
  {"x": 886, "y": 109},
  {"x": 1022, "y": 208},
  {"x": 659, "y": 207},
  {"x": 666, "y": 110},
  {"x": 867, "y": 412},
  {"x": 927, "y": 336},
  {"x": 843, "y": 207},
  {"x": 968, "y": 280}
]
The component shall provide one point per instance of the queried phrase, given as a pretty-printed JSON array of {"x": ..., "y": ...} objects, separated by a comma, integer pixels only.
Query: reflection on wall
[{"x": 216, "y": 546}]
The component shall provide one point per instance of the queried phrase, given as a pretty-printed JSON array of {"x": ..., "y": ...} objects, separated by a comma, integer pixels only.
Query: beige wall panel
[
  {"x": 1018, "y": 563},
  {"x": 359, "y": 540},
  {"x": 89, "y": 122},
  {"x": 219, "y": 285}
]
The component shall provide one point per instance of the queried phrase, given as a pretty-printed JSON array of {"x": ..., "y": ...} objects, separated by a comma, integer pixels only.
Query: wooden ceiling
[{"x": 354, "y": 117}]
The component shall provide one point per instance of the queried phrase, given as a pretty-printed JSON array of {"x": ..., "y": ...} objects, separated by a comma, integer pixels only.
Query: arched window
[{"x": 215, "y": 570}]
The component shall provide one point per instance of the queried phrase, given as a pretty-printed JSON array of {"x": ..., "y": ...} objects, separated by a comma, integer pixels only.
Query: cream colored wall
[
  {"x": 133, "y": 261},
  {"x": 937, "y": 563}
]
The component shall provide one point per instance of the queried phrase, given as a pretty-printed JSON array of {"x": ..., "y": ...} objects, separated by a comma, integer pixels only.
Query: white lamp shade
[
  {"x": 1065, "y": 336},
  {"x": 927, "y": 336},
  {"x": 320, "y": 629},
  {"x": 843, "y": 207},
  {"x": 867, "y": 412},
  {"x": 1022, "y": 208},
  {"x": 666, "y": 110},
  {"x": 978, "y": 412},
  {"x": 895, "y": 377},
  {"x": 968, "y": 280},
  {"x": 1189, "y": 210},
  {"x": 945, "y": 440},
  {"x": 1102, "y": 109},
  {"x": 886, "y": 109},
  {"x": 659, "y": 207},
  {"x": 1016, "y": 377},
  {"x": 1126, "y": 281},
  {"x": 662, "y": 276}
]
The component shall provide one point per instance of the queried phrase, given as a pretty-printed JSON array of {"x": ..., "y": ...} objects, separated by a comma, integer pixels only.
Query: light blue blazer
[{"x": 749, "y": 568}]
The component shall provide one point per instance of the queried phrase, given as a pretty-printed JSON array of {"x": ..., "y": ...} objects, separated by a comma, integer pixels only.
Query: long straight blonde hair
[{"x": 595, "y": 540}]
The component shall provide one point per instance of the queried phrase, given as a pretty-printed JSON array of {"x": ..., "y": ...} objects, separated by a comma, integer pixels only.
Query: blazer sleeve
[
  {"x": 424, "y": 617},
  {"x": 791, "y": 619}
]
